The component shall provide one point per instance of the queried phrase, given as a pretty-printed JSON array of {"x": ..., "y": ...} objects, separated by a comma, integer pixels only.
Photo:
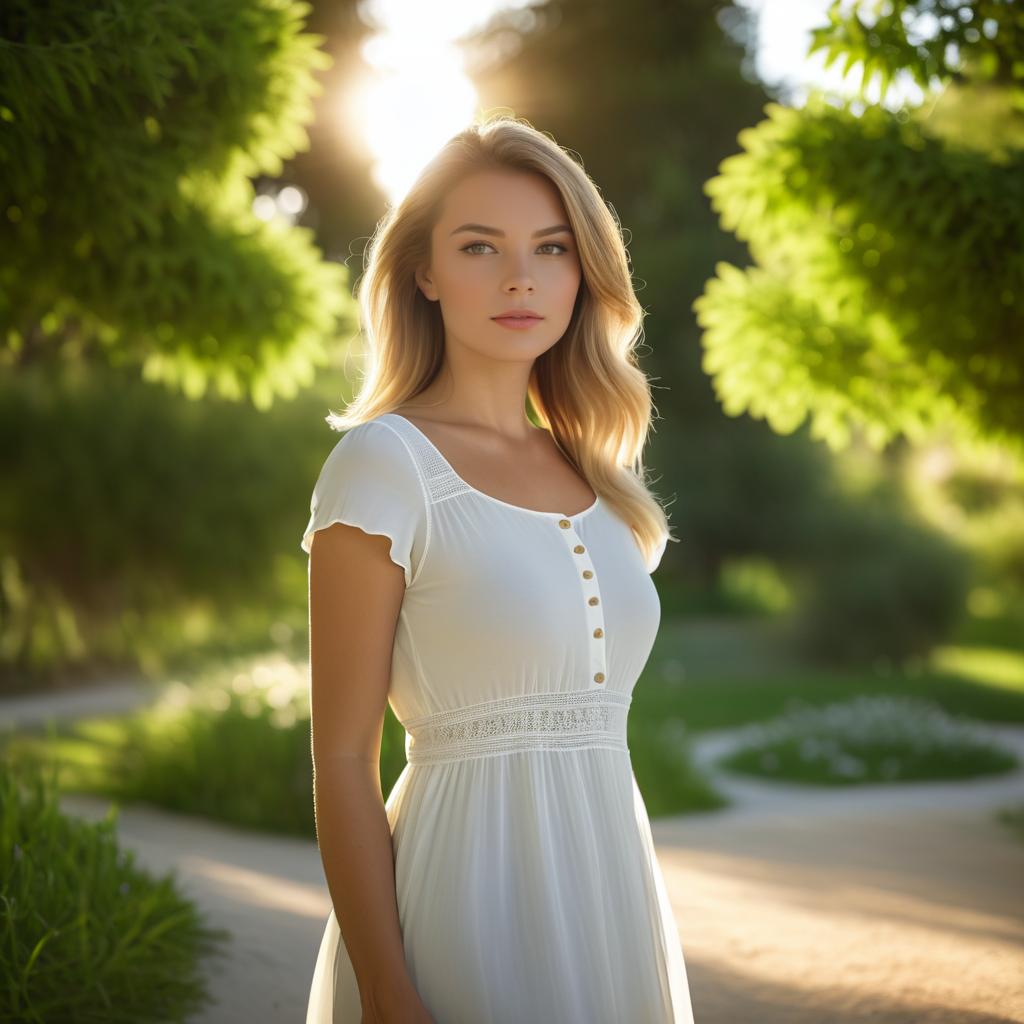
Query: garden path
[{"x": 896, "y": 903}]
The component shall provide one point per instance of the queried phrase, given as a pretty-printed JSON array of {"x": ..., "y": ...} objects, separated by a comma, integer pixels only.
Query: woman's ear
[{"x": 426, "y": 285}]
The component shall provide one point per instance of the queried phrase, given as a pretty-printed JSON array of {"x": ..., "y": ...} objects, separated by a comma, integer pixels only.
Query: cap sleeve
[{"x": 370, "y": 480}]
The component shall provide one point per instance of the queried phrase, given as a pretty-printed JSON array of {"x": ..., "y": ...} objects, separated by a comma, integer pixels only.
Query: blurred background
[{"x": 824, "y": 206}]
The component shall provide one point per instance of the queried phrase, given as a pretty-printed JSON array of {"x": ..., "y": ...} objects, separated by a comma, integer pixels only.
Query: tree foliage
[
  {"x": 128, "y": 136},
  {"x": 946, "y": 40},
  {"x": 888, "y": 290}
]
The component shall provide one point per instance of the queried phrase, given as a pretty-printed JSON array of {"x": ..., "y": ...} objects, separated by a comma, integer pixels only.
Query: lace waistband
[{"x": 572, "y": 720}]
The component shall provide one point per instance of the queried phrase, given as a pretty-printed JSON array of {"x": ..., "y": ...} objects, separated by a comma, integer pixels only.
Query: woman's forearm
[{"x": 355, "y": 846}]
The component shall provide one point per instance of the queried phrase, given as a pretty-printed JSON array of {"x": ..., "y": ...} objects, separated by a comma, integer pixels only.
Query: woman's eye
[{"x": 473, "y": 245}]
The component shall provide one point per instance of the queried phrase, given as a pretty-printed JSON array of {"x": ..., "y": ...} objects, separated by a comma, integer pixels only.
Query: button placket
[{"x": 593, "y": 607}]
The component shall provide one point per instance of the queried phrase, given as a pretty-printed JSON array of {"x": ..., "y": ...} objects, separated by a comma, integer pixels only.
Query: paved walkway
[
  {"x": 33, "y": 710},
  {"x": 895, "y": 904}
]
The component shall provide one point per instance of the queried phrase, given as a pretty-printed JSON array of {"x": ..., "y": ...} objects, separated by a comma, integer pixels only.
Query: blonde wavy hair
[{"x": 587, "y": 389}]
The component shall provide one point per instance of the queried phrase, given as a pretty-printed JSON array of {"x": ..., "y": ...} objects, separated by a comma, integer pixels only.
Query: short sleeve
[{"x": 370, "y": 480}]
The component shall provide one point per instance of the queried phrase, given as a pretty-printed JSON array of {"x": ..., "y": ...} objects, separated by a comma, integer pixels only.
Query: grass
[
  {"x": 719, "y": 674},
  {"x": 664, "y": 769},
  {"x": 1013, "y": 818},
  {"x": 87, "y": 935}
]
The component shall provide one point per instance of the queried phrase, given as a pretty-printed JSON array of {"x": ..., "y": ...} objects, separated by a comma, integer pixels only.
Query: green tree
[
  {"x": 887, "y": 294},
  {"x": 128, "y": 137}
]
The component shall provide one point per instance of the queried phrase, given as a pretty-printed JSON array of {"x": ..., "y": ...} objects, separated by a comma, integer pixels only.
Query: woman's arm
[{"x": 355, "y": 593}]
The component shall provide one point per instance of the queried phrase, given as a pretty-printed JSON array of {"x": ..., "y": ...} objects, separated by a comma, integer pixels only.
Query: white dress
[{"x": 527, "y": 883}]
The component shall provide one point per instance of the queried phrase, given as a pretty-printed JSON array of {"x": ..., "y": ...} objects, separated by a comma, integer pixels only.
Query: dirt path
[
  {"x": 886, "y": 916},
  {"x": 890, "y": 904}
]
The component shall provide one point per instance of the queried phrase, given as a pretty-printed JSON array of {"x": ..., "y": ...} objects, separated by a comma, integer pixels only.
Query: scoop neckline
[{"x": 490, "y": 497}]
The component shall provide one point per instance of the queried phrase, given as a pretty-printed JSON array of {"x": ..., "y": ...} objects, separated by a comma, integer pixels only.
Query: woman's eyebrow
[{"x": 482, "y": 229}]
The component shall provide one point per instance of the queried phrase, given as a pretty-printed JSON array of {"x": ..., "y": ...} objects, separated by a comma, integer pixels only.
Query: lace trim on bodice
[
  {"x": 569, "y": 720},
  {"x": 439, "y": 478}
]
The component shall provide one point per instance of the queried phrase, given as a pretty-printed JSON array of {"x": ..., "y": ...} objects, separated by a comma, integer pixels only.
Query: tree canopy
[
  {"x": 128, "y": 137},
  {"x": 887, "y": 293}
]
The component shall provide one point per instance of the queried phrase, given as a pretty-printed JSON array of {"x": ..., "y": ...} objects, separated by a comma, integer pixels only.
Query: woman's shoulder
[
  {"x": 373, "y": 455},
  {"x": 374, "y": 442}
]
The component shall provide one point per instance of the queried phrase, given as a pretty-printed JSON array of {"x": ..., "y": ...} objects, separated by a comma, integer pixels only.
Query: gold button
[
  {"x": 579, "y": 549},
  {"x": 599, "y": 678},
  {"x": 599, "y": 632},
  {"x": 564, "y": 524},
  {"x": 587, "y": 574},
  {"x": 594, "y": 600}
]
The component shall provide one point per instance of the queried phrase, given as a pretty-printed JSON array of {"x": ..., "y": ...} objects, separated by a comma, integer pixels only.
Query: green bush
[
  {"x": 144, "y": 530},
  {"x": 234, "y": 748},
  {"x": 86, "y": 935},
  {"x": 883, "y": 591}
]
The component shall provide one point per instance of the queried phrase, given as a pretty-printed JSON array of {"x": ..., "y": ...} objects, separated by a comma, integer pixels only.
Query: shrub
[
  {"x": 233, "y": 747},
  {"x": 87, "y": 935},
  {"x": 884, "y": 590}
]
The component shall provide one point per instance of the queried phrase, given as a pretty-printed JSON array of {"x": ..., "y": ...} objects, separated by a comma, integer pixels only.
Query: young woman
[{"x": 490, "y": 578}]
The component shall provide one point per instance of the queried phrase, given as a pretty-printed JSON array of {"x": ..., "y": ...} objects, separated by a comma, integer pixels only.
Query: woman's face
[{"x": 520, "y": 252}]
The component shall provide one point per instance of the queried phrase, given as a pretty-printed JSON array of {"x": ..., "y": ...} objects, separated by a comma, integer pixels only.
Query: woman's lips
[{"x": 517, "y": 323}]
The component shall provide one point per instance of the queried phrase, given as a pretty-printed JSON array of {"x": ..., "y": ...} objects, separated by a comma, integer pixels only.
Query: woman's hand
[{"x": 398, "y": 1005}]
